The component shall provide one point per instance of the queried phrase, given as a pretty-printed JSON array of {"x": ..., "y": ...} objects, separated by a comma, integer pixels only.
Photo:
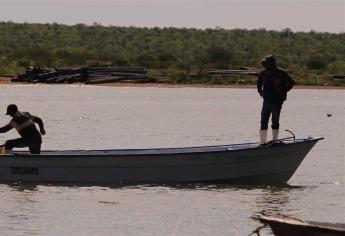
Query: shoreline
[{"x": 6, "y": 81}]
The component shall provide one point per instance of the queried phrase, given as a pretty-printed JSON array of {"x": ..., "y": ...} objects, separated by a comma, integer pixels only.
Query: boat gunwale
[
  {"x": 155, "y": 151},
  {"x": 284, "y": 220}
]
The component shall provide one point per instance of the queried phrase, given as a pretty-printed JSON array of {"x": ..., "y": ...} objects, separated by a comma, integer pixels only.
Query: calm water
[{"x": 79, "y": 117}]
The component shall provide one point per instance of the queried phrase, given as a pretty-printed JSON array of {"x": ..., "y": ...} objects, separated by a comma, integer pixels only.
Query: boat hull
[
  {"x": 228, "y": 163},
  {"x": 287, "y": 226}
]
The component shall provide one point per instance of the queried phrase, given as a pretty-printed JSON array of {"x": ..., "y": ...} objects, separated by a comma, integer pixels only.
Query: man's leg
[
  {"x": 276, "y": 109},
  {"x": 265, "y": 116},
  {"x": 12, "y": 143},
  {"x": 35, "y": 148}
]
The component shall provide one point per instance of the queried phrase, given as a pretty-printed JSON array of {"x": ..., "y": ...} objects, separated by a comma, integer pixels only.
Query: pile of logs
[{"x": 87, "y": 75}]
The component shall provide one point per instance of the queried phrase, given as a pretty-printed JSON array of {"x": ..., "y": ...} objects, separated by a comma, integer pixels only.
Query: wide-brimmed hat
[{"x": 269, "y": 59}]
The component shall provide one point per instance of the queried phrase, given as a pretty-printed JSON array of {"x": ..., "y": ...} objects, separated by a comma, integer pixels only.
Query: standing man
[
  {"x": 24, "y": 123},
  {"x": 273, "y": 84}
]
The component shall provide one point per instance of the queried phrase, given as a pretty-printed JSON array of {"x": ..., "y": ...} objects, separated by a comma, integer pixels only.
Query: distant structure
[{"x": 338, "y": 78}]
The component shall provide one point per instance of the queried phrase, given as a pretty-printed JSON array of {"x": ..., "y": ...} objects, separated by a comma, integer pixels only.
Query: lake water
[{"x": 86, "y": 117}]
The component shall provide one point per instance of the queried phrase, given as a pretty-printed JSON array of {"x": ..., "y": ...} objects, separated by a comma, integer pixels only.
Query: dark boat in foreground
[
  {"x": 248, "y": 163},
  {"x": 287, "y": 226}
]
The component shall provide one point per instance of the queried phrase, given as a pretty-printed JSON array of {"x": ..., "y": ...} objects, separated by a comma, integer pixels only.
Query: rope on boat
[
  {"x": 268, "y": 144},
  {"x": 293, "y": 135}
]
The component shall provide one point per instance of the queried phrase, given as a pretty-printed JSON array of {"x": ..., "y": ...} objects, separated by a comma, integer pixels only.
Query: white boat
[{"x": 249, "y": 163}]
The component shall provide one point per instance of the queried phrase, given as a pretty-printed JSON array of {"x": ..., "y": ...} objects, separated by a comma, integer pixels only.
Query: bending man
[
  {"x": 24, "y": 123},
  {"x": 273, "y": 84}
]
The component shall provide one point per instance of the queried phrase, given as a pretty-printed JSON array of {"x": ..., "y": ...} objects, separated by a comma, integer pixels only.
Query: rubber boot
[
  {"x": 263, "y": 136},
  {"x": 275, "y": 134}
]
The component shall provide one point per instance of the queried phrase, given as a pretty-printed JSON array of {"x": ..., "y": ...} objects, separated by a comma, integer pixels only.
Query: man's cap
[
  {"x": 11, "y": 109},
  {"x": 268, "y": 59}
]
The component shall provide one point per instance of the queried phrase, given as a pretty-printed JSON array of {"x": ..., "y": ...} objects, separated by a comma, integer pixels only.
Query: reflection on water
[
  {"x": 98, "y": 117},
  {"x": 21, "y": 187},
  {"x": 274, "y": 200},
  {"x": 236, "y": 202},
  {"x": 204, "y": 186}
]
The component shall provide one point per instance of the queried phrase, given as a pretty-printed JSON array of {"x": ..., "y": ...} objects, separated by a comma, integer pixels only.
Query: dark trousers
[
  {"x": 268, "y": 109},
  {"x": 34, "y": 147}
]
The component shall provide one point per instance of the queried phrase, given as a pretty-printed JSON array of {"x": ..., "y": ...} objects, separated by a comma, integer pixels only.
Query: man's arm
[
  {"x": 289, "y": 82},
  {"x": 6, "y": 128},
  {"x": 40, "y": 124},
  {"x": 259, "y": 84}
]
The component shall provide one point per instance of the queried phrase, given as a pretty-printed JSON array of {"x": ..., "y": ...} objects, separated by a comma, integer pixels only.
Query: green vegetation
[{"x": 173, "y": 54}]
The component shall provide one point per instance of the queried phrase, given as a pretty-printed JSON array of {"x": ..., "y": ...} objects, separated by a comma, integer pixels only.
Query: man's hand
[{"x": 42, "y": 131}]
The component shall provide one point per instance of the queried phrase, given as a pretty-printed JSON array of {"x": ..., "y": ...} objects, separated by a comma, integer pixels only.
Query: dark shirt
[
  {"x": 274, "y": 84},
  {"x": 23, "y": 122},
  {"x": 268, "y": 92}
]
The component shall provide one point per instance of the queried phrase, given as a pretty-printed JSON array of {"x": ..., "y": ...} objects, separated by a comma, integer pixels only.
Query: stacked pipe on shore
[
  {"x": 241, "y": 71},
  {"x": 87, "y": 75}
]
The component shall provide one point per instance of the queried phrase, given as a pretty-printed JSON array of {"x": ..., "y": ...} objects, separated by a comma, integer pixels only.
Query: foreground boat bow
[
  {"x": 287, "y": 226},
  {"x": 237, "y": 163}
]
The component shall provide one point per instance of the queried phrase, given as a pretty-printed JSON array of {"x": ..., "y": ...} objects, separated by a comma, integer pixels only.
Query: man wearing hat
[
  {"x": 273, "y": 84},
  {"x": 24, "y": 123}
]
